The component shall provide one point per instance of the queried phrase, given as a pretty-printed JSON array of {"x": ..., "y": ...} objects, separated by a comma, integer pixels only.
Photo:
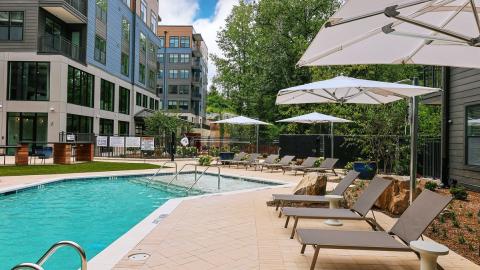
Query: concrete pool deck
[{"x": 238, "y": 231}]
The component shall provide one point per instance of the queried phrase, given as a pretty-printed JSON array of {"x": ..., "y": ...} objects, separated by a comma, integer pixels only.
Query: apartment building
[
  {"x": 183, "y": 70},
  {"x": 76, "y": 66}
]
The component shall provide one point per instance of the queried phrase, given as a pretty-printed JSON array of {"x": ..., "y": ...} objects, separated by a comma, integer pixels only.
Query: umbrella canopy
[
  {"x": 314, "y": 118},
  {"x": 428, "y": 32},
  {"x": 241, "y": 120},
  {"x": 350, "y": 90}
]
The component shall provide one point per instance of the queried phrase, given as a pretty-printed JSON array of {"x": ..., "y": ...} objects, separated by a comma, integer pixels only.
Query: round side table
[
  {"x": 429, "y": 251},
  {"x": 334, "y": 201}
]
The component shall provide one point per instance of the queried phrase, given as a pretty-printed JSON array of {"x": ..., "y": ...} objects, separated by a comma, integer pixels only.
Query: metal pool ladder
[
  {"x": 196, "y": 173},
  {"x": 38, "y": 265},
  {"x": 162, "y": 166}
]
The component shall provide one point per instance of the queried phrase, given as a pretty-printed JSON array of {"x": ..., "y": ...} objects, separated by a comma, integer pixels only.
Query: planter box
[{"x": 367, "y": 169}]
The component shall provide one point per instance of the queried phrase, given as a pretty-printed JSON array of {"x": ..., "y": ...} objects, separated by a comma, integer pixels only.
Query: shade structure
[
  {"x": 343, "y": 89},
  {"x": 428, "y": 32},
  {"x": 242, "y": 120},
  {"x": 349, "y": 90},
  {"x": 317, "y": 118}
]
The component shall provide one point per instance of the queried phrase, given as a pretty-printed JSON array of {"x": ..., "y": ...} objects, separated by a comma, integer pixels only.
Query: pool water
[{"x": 92, "y": 212}]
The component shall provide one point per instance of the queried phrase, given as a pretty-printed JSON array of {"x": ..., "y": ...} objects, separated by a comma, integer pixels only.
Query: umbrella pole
[
  {"x": 332, "y": 139},
  {"x": 257, "y": 128},
  {"x": 413, "y": 145}
]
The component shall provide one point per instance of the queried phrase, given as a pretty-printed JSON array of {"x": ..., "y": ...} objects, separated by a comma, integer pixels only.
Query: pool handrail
[
  {"x": 51, "y": 251},
  {"x": 202, "y": 174},
  {"x": 162, "y": 166},
  {"x": 179, "y": 171}
]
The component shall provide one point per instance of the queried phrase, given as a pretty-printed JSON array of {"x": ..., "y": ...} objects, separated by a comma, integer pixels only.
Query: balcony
[
  {"x": 69, "y": 11},
  {"x": 60, "y": 45}
]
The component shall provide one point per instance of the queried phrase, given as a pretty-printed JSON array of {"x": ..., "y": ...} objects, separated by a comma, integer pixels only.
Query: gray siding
[
  {"x": 30, "y": 9},
  {"x": 464, "y": 90}
]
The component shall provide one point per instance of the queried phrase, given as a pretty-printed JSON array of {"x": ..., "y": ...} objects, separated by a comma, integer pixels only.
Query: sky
[{"x": 207, "y": 17}]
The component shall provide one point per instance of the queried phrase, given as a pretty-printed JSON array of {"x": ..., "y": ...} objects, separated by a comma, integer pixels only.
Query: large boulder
[
  {"x": 395, "y": 198},
  {"x": 312, "y": 184}
]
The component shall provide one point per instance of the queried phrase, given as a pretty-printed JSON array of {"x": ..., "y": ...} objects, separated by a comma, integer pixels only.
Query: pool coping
[{"x": 113, "y": 253}]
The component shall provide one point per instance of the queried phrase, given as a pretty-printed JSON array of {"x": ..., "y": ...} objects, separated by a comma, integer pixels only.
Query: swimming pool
[{"x": 93, "y": 212}]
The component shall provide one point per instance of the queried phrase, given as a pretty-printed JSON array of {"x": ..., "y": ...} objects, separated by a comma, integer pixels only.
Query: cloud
[{"x": 185, "y": 11}]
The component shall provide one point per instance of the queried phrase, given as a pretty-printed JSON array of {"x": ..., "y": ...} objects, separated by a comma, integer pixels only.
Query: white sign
[
  {"x": 70, "y": 137},
  {"x": 117, "y": 141},
  {"x": 132, "y": 142},
  {"x": 184, "y": 141},
  {"x": 148, "y": 143},
  {"x": 102, "y": 141}
]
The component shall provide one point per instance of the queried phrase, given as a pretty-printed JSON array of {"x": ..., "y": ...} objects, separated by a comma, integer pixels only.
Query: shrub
[
  {"x": 459, "y": 193},
  {"x": 349, "y": 166},
  {"x": 213, "y": 151},
  {"x": 471, "y": 247},
  {"x": 469, "y": 214},
  {"x": 478, "y": 216},
  {"x": 205, "y": 160},
  {"x": 461, "y": 239},
  {"x": 319, "y": 161},
  {"x": 442, "y": 219},
  {"x": 455, "y": 223},
  {"x": 431, "y": 185}
]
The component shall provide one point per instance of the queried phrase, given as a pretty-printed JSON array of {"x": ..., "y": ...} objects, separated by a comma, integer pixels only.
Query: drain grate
[{"x": 139, "y": 257}]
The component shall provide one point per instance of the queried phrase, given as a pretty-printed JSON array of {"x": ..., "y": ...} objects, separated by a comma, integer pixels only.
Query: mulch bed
[{"x": 458, "y": 227}]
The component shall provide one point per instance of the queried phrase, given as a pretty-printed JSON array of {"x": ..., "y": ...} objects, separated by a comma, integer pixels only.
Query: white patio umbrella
[
  {"x": 242, "y": 120},
  {"x": 428, "y": 32},
  {"x": 317, "y": 118},
  {"x": 349, "y": 90}
]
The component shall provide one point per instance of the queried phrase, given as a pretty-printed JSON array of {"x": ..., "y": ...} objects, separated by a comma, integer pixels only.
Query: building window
[
  {"x": 100, "y": 50},
  {"x": 141, "y": 72},
  {"x": 161, "y": 58},
  {"x": 173, "y": 74},
  {"x": 125, "y": 31},
  {"x": 128, "y": 3},
  {"x": 80, "y": 87},
  {"x": 184, "y": 73},
  {"x": 27, "y": 127},
  {"x": 143, "y": 11},
  {"x": 173, "y": 42},
  {"x": 79, "y": 124},
  {"x": 160, "y": 74},
  {"x": 473, "y": 135},
  {"x": 184, "y": 58},
  {"x": 162, "y": 42},
  {"x": 156, "y": 105},
  {"x": 153, "y": 22},
  {"x": 152, "y": 104},
  {"x": 138, "y": 99},
  {"x": 173, "y": 89},
  {"x": 172, "y": 105},
  {"x": 145, "y": 101},
  {"x": 125, "y": 60},
  {"x": 152, "y": 79},
  {"x": 143, "y": 42},
  {"x": 184, "y": 89},
  {"x": 101, "y": 10},
  {"x": 11, "y": 25},
  {"x": 29, "y": 81},
  {"x": 173, "y": 58},
  {"x": 123, "y": 100},
  {"x": 107, "y": 95},
  {"x": 106, "y": 127},
  {"x": 152, "y": 50},
  {"x": 123, "y": 128},
  {"x": 185, "y": 42},
  {"x": 183, "y": 105}
]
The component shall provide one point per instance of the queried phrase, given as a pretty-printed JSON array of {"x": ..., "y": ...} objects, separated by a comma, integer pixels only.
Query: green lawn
[{"x": 74, "y": 168}]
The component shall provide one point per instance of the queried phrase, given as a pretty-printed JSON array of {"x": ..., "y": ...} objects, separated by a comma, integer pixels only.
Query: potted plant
[{"x": 367, "y": 169}]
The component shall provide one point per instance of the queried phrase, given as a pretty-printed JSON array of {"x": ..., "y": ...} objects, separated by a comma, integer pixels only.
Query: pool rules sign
[{"x": 148, "y": 144}]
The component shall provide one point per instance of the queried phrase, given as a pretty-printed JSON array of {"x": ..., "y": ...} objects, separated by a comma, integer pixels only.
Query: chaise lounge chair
[
  {"x": 409, "y": 227},
  {"x": 237, "y": 157},
  {"x": 341, "y": 187},
  {"x": 307, "y": 163},
  {"x": 285, "y": 161},
  {"x": 358, "y": 211},
  {"x": 327, "y": 165},
  {"x": 249, "y": 161},
  {"x": 270, "y": 160}
]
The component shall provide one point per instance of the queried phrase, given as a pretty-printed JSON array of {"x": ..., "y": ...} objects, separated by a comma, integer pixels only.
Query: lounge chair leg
[
  {"x": 286, "y": 222},
  {"x": 294, "y": 228},
  {"x": 303, "y": 249},
  {"x": 277, "y": 205},
  {"x": 334, "y": 172},
  {"x": 315, "y": 256},
  {"x": 280, "y": 212}
]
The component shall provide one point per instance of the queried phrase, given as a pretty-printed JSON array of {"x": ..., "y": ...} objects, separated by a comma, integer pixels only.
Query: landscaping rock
[
  {"x": 312, "y": 184},
  {"x": 395, "y": 198}
]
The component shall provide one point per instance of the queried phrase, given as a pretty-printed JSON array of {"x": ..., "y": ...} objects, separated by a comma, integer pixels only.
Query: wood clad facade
[{"x": 30, "y": 28}]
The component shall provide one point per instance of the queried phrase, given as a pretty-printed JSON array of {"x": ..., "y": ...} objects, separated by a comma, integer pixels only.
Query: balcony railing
[
  {"x": 80, "y": 5},
  {"x": 61, "y": 45}
]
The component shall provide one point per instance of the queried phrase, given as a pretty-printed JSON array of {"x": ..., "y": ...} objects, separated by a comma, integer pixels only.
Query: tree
[{"x": 162, "y": 124}]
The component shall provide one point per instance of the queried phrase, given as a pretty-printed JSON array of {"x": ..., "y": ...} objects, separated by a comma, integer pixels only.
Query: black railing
[
  {"x": 61, "y": 45},
  {"x": 80, "y": 5},
  {"x": 76, "y": 137}
]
